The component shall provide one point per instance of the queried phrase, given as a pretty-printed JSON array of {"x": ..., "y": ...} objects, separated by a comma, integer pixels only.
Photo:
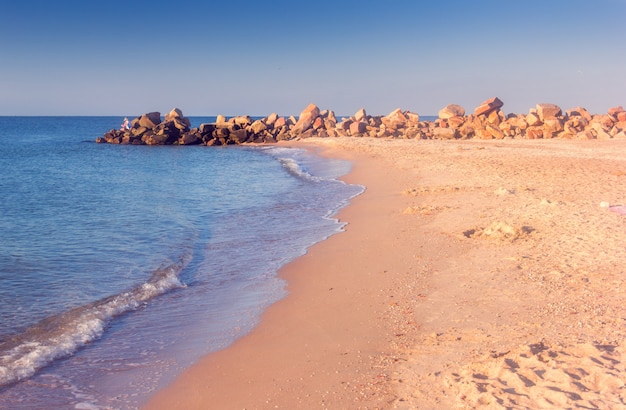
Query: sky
[{"x": 81, "y": 57}]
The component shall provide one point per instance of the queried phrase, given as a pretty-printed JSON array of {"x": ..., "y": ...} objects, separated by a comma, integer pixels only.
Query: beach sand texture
[{"x": 472, "y": 274}]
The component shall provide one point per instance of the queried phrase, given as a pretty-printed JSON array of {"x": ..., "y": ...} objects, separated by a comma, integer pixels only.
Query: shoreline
[
  {"x": 467, "y": 270},
  {"x": 303, "y": 353}
]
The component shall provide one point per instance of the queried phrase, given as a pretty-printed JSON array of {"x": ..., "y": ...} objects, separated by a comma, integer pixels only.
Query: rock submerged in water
[{"x": 487, "y": 122}]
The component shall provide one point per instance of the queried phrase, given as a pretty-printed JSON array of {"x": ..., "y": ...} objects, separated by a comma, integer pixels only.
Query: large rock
[
  {"x": 396, "y": 119},
  {"x": 360, "y": 115},
  {"x": 488, "y": 105},
  {"x": 149, "y": 120},
  {"x": 451, "y": 110},
  {"x": 445, "y": 133},
  {"x": 412, "y": 117},
  {"x": 615, "y": 110},
  {"x": 306, "y": 119},
  {"x": 357, "y": 128},
  {"x": 271, "y": 119},
  {"x": 176, "y": 115},
  {"x": 547, "y": 111}
]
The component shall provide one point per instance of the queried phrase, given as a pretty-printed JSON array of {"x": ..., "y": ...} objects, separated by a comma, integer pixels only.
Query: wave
[
  {"x": 60, "y": 336},
  {"x": 294, "y": 168}
]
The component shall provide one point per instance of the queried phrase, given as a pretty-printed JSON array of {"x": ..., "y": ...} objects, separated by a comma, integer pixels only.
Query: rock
[
  {"x": 174, "y": 113},
  {"x": 445, "y": 133},
  {"x": 456, "y": 122},
  {"x": 206, "y": 129},
  {"x": 238, "y": 136},
  {"x": 220, "y": 119},
  {"x": 532, "y": 119},
  {"x": 396, "y": 119},
  {"x": 357, "y": 128},
  {"x": 488, "y": 105},
  {"x": 580, "y": 112},
  {"x": 360, "y": 115},
  {"x": 241, "y": 120},
  {"x": 534, "y": 132},
  {"x": 306, "y": 119},
  {"x": 258, "y": 126},
  {"x": 149, "y": 120},
  {"x": 271, "y": 119},
  {"x": 546, "y": 111},
  {"x": 280, "y": 122},
  {"x": 553, "y": 125},
  {"x": 412, "y": 118},
  {"x": 600, "y": 132},
  {"x": 331, "y": 116},
  {"x": 615, "y": 110},
  {"x": 189, "y": 139},
  {"x": 318, "y": 123},
  {"x": 495, "y": 117},
  {"x": 451, "y": 110},
  {"x": 495, "y": 132}
]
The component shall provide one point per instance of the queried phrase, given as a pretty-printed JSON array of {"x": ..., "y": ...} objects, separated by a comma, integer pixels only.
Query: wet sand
[{"x": 471, "y": 274}]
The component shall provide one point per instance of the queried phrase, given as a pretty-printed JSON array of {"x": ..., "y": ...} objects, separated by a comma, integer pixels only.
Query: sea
[{"x": 122, "y": 265}]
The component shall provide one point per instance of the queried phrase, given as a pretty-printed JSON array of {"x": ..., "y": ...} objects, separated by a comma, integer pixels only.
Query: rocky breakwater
[
  {"x": 544, "y": 121},
  {"x": 488, "y": 121}
]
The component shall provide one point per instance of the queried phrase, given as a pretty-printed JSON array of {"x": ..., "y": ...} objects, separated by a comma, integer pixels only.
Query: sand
[{"x": 472, "y": 274}]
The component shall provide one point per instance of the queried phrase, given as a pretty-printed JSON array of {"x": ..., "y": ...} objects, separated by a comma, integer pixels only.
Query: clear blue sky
[{"x": 115, "y": 57}]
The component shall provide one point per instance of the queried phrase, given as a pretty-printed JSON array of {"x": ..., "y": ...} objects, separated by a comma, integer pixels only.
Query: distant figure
[{"x": 125, "y": 125}]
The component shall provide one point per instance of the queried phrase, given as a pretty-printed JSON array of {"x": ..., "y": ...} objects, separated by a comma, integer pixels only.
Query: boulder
[
  {"x": 271, "y": 119},
  {"x": 580, "y": 112},
  {"x": 615, "y": 110},
  {"x": 488, "y": 105},
  {"x": 600, "y": 132},
  {"x": 258, "y": 126},
  {"x": 445, "y": 133},
  {"x": 174, "y": 113},
  {"x": 395, "y": 119},
  {"x": 149, "y": 120},
  {"x": 451, "y": 110},
  {"x": 280, "y": 122},
  {"x": 241, "y": 120},
  {"x": 206, "y": 129},
  {"x": 412, "y": 118},
  {"x": 331, "y": 116},
  {"x": 546, "y": 111},
  {"x": 318, "y": 123},
  {"x": 495, "y": 132},
  {"x": 238, "y": 136},
  {"x": 553, "y": 125},
  {"x": 190, "y": 138},
  {"x": 306, "y": 119},
  {"x": 357, "y": 128},
  {"x": 360, "y": 115},
  {"x": 533, "y": 118},
  {"x": 456, "y": 122}
]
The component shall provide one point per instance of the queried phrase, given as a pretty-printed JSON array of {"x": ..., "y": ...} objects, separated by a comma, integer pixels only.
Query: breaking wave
[{"x": 59, "y": 336}]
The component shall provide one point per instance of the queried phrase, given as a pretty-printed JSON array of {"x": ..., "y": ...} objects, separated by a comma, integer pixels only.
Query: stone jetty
[{"x": 487, "y": 121}]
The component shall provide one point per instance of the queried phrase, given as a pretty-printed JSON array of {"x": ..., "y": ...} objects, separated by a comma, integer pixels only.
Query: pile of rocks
[
  {"x": 543, "y": 121},
  {"x": 487, "y": 122}
]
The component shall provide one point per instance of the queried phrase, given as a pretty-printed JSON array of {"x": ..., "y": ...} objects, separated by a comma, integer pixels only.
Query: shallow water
[{"x": 122, "y": 265}]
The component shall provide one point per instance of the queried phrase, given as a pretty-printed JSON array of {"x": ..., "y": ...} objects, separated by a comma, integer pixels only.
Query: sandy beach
[{"x": 471, "y": 274}]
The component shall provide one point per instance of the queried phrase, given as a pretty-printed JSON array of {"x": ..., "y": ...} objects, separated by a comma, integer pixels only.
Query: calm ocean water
[{"x": 122, "y": 265}]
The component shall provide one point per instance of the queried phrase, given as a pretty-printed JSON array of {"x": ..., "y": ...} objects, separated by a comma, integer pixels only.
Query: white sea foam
[
  {"x": 295, "y": 169},
  {"x": 61, "y": 335}
]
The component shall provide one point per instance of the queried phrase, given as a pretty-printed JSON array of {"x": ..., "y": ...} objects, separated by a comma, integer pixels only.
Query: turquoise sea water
[{"x": 122, "y": 265}]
